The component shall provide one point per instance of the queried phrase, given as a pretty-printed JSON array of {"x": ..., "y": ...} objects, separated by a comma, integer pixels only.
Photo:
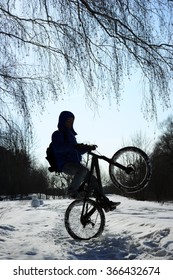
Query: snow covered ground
[{"x": 136, "y": 230}]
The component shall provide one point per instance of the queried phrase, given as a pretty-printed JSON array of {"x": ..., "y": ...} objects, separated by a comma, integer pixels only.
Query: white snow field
[{"x": 134, "y": 231}]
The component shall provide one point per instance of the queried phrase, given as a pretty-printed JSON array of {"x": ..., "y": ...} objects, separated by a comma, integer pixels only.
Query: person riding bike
[{"x": 68, "y": 155}]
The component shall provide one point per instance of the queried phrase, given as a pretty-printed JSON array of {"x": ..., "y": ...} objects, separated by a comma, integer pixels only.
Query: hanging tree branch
[{"x": 99, "y": 42}]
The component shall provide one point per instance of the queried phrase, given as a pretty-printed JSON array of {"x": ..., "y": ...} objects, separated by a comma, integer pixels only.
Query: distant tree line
[
  {"x": 162, "y": 160},
  {"x": 19, "y": 174}
]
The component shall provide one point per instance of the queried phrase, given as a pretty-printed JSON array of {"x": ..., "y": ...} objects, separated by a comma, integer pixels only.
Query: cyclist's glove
[
  {"x": 92, "y": 147},
  {"x": 85, "y": 147}
]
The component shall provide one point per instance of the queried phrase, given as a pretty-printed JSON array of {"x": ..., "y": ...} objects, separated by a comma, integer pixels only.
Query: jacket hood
[{"x": 62, "y": 120}]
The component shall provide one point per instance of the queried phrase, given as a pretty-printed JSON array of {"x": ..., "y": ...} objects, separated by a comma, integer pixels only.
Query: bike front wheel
[
  {"x": 84, "y": 219},
  {"x": 130, "y": 169}
]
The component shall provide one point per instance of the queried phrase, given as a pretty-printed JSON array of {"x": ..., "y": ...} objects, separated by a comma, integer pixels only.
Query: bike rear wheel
[
  {"x": 138, "y": 172},
  {"x": 84, "y": 219}
]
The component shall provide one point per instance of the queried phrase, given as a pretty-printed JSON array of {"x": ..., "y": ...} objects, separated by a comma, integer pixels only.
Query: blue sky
[{"x": 108, "y": 125}]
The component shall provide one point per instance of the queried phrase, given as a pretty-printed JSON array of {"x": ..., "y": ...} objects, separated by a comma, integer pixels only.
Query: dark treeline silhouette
[
  {"x": 162, "y": 160},
  {"x": 18, "y": 176}
]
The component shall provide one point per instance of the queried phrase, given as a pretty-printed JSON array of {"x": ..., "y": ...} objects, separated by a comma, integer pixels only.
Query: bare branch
[{"x": 44, "y": 44}]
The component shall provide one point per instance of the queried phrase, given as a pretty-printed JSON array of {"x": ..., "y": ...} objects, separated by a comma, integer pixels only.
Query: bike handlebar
[{"x": 86, "y": 147}]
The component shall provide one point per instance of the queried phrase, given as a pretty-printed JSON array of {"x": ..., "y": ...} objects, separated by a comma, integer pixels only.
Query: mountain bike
[{"x": 129, "y": 170}]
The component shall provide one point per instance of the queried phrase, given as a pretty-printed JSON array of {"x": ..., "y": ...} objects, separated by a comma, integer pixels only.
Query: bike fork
[{"x": 86, "y": 213}]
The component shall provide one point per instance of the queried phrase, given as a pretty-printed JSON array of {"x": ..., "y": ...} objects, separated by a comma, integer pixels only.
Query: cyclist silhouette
[{"x": 68, "y": 155}]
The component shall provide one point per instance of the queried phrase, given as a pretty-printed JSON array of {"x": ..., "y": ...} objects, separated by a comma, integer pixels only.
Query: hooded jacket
[{"x": 64, "y": 142}]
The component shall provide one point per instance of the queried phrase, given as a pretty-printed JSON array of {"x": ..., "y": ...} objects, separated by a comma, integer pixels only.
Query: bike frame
[
  {"x": 85, "y": 215},
  {"x": 95, "y": 165}
]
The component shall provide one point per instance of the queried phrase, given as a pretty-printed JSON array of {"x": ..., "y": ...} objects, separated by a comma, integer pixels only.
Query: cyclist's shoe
[
  {"x": 111, "y": 206},
  {"x": 107, "y": 205}
]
